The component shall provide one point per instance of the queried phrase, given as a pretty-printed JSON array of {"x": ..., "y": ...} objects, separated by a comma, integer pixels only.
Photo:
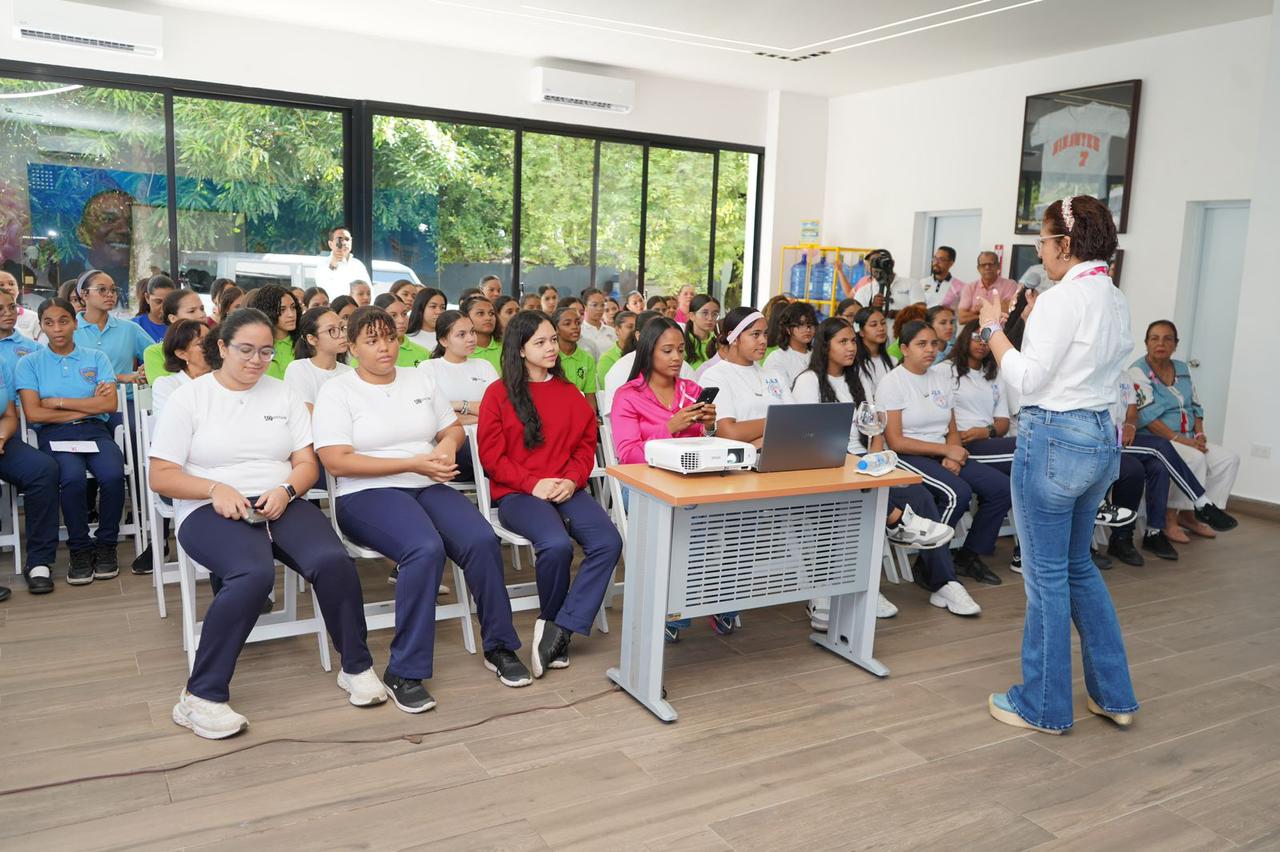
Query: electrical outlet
[{"x": 1260, "y": 451}]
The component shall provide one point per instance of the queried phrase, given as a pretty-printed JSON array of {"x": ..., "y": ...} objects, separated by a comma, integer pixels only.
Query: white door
[
  {"x": 961, "y": 231},
  {"x": 1207, "y": 345}
]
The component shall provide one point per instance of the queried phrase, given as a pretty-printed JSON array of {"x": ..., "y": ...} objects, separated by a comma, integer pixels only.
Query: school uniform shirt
[
  {"x": 411, "y": 354},
  {"x": 153, "y": 362},
  {"x": 162, "y": 389},
  {"x": 745, "y": 392},
  {"x": 935, "y": 291},
  {"x": 425, "y": 339},
  {"x": 597, "y": 340},
  {"x": 580, "y": 369},
  {"x": 925, "y": 402},
  {"x": 787, "y": 363},
  {"x": 337, "y": 282},
  {"x": 123, "y": 342},
  {"x": 806, "y": 391},
  {"x": 239, "y": 438},
  {"x": 606, "y": 361},
  {"x": 638, "y": 416},
  {"x": 28, "y": 323},
  {"x": 305, "y": 379},
  {"x": 491, "y": 353},
  {"x": 393, "y": 421},
  {"x": 14, "y": 347},
  {"x": 75, "y": 375},
  {"x": 1075, "y": 344},
  {"x": 155, "y": 330},
  {"x": 872, "y": 374},
  {"x": 284, "y": 357},
  {"x": 977, "y": 401},
  {"x": 457, "y": 382},
  {"x": 568, "y": 449},
  {"x": 701, "y": 352},
  {"x": 620, "y": 373},
  {"x": 1176, "y": 406}
]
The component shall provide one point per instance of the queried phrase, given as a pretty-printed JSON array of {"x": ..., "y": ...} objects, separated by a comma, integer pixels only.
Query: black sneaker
[
  {"x": 5, "y": 593},
  {"x": 1121, "y": 547},
  {"x": 1216, "y": 518},
  {"x": 105, "y": 566},
  {"x": 411, "y": 696},
  {"x": 969, "y": 564},
  {"x": 1015, "y": 564},
  {"x": 1101, "y": 560},
  {"x": 81, "y": 571},
  {"x": 1110, "y": 515},
  {"x": 395, "y": 575},
  {"x": 41, "y": 583},
  {"x": 142, "y": 563},
  {"x": 510, "y": 671},
  {"x": 550, "y": 647},
  {"x": 1158, "y": 543}
]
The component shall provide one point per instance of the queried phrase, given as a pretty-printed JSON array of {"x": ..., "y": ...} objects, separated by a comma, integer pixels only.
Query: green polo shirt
[
  {"x": 607, "y": 360},
  {"x": 153, "y": 362},
  {"x": 580, "y": 369},
  {"x": 491, "y": 353},
  {"x": 284, "y": 357},
  {"x": 699, "y": 355},
  {"x": 411, "y": 354}
]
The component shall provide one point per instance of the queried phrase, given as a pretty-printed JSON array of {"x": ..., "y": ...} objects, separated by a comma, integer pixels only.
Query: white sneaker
[
  {"x": 365, "y": 689},
  {"x": 885, "y": 608},
  {"x": 820, "y": 614},
  {"x": 213, "y": 720},
  {"x": 921, "y": 533},
  {"x": 955, "y": 597}
]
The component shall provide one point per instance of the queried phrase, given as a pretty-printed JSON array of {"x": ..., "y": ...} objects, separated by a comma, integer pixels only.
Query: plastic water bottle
[
  {"x": 820, "y": 280},
  {"x": 797, "y": 277},
  {"x": 875, "y": 464}
]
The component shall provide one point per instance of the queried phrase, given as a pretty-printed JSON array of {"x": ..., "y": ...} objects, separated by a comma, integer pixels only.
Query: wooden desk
[{"x": 709, "y": 543}]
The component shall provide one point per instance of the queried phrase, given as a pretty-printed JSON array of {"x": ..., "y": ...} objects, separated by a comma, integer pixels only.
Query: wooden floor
[{"x": 779, "y": 745}]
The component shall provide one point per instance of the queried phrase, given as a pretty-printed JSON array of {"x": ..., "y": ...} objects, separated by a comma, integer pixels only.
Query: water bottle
[
  {"x": 797, "y": 277},
  {"x": 877, "y": 464},
  {"x": 820, "y": 280}
]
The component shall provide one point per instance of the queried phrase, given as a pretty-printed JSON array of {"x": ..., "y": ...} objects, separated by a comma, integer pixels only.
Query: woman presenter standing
[{"x": 1067, "y": 373}]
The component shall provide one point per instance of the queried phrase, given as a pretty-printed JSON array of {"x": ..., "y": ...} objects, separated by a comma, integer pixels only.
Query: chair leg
[
  {"x": 187, "y": 592},
  {"x": 464, "y": 600},
  {"x": 158, "y": 564},
  {"x": 322, "y": 635}
]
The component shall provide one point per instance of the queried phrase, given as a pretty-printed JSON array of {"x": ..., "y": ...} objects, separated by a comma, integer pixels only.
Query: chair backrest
[
  {"x": 483, "y": 501},
  {"x": 615, "y": 487}
]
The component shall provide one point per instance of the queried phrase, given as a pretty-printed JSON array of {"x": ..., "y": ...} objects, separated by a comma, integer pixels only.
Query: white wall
[{"x": 953, "y": 143}]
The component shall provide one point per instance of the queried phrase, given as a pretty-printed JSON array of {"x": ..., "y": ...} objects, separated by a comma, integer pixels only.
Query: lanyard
[
  {"x": 1088, "y": 273},
  {"x": 1175, "y": 393}
]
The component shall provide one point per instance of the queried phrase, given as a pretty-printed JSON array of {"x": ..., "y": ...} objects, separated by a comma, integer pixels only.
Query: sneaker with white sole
[
  {"x": 213, "y": 720},
  {"x": 365, "y": 689},
  {"x": 885, "y": 608},
  {"x": 820, "y": 614},
  {"x": 507, "y": 666},
  {"x": 1110, "y": 515},
  {"x": 955, "y": 598},
  {"x": 921, "y": 533}
]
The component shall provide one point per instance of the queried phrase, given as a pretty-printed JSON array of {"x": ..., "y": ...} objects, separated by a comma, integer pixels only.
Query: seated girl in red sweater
[{"x": 537, "y": 441}]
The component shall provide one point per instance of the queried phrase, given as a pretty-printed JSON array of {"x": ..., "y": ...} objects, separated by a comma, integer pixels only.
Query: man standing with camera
[
  {"x": 882, "y": 280},
  {"x": 340, "y": 268}
]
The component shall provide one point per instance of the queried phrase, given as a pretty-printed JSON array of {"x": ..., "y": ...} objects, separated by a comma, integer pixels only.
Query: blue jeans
[{"x": 1064, "y": 464}]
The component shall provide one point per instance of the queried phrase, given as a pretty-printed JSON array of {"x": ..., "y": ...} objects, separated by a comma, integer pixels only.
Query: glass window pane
[
  {"x": 618, "y": 219},
  {"x": 259, "y": 187},
  {"x": 734, "y": 220},
  {"x": 82, "y": 185},
  {"x": 555, "y": 215},
  {"x": 678, "y": 221},
  {"x": 442, "y": 198}
]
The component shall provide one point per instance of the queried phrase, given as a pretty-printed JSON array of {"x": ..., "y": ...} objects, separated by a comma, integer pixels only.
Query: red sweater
[{"x": 568, "y": 450}]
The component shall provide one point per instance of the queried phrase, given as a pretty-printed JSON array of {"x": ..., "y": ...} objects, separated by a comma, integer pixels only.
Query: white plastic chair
[
  {"x": 158, "y": 511},
  {"x": 9, "y": 527}
]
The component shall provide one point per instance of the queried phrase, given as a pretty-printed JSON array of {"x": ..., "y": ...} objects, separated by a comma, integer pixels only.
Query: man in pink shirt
[{"x": 989, "y": 278}]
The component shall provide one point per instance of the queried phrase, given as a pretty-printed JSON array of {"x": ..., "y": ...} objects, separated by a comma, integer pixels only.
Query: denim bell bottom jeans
[{"x": 1062, "y": 468}]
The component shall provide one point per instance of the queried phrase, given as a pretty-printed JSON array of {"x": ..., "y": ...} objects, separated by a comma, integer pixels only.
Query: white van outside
[{"x": 251, "y": 271}]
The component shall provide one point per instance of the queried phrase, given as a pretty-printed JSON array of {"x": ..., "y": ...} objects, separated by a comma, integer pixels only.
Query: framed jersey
[{"x": 1078, "y": 142}]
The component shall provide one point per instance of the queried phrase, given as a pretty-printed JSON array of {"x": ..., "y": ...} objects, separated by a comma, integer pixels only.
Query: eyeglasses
[
  {"x": 337, "y": 332},
  {"x": 104, "y": 291},
  {"x": 8, "y": 309},
  {"x": 249, "y": 352},
  {"x": 988, "y": 265},
  {"x": 1040, "y": 241}
]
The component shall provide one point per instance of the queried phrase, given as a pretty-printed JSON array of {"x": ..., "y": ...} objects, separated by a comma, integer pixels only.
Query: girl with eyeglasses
[
  {"x": 537, "y": 442},
  {"x": 791, "y": 340},
  {"x": 234, "y": 453},
  {"x": 321, "y": 354},
  {"x": 700, "y": 330},
  {"x": 280, "y": 306}
]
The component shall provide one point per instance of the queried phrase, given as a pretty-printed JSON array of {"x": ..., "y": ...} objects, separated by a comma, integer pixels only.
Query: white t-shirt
[
  {"x": 878, "y": 369},
  {"x": 806, "y": 391},
  {"x": 745, "y": 392},
  {"x": 617, "y": 377},
  {"x": 163, "y": 388},
  {"x": 457, "y": 382},
  {"x": 337, "y": 282},
  {"x": 978, "y": 402},
  {"x": 241, "y": 438},
  {"x": 925, "y": 402},
  {"x": 598, "y": 340},
  {"x": 28, "y": 324},
  {"x": 425, "y": 339},
  {"x": 305, "y": 379},
  {"x": 393, "y": 421},
  {"x": 787, "y": 363}
]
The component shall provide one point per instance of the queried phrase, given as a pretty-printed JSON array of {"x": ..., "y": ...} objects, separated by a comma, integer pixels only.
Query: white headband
[{"x": 744, "y": 325}]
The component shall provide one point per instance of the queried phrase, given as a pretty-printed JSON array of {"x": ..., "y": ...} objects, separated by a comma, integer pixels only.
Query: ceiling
[{"x": 871, "y": 43}]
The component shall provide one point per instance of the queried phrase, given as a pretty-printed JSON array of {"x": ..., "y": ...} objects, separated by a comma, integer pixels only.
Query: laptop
[{"x": 805, "y": 436}]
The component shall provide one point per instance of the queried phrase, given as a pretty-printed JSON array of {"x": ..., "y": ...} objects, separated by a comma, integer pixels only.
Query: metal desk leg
[
  {"x": 852, "y": 622},
  {"x": 644, "y": 607}
]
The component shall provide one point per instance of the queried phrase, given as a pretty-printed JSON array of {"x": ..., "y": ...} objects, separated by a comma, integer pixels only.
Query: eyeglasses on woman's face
[
  {"x": 1040, "y": 241},
  {"x": 249, "y": 352},
  {"x": 337, "y": 332}
]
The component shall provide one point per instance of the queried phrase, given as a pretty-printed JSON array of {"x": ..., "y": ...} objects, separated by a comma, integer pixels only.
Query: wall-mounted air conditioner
[
  {"x": 91, "y": 27},
  {"x": 588, "y": 91}
]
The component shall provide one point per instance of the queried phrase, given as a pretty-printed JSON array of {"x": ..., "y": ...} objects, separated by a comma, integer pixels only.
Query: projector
[{"x": 699, "y": 455}]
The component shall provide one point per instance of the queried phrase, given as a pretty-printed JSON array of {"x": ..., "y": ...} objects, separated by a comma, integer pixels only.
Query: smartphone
[
  {"x": 707, "y": 396},
  {"x": 254, "y": 518}
]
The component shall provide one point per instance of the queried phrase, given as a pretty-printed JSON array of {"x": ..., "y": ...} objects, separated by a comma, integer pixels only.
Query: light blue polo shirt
[
  {"x": 13, "y": 347},
  {"x": 7, "y": 393},
  {"x": 122, "y": 341},
  {"x": 73, "y": 375}
]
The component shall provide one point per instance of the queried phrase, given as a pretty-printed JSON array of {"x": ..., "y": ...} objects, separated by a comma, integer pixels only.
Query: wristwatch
[
  {"x": 989, "y": 330},
  {"x": 991, "y": 431},
  {"x": 290, "y": 490}
]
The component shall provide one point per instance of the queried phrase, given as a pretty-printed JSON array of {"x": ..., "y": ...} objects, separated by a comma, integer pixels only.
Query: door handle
[{"x": 1194, "y": 362}]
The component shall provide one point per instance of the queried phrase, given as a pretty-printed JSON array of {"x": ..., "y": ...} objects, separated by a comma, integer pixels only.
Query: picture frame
[
  {"x": 1078, "y": 142},
  {"x": 1117, "y": 266},
  {"x": 1022, "y": 258}
]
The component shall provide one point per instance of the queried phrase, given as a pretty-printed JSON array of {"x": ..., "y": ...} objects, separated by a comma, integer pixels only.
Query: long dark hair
[
  {"x": 642, "y": 319},
  {"x": 820, "y": 356},
  {"x": 789, "y": 319},
  {"x": 692, "y": 342},
  {"x": 498, "y": 304},
  {"x": 310, "y": 324},
  {"x": 172, "y": 301},
  {"x": 228, "y": 295},
  {"x": 960, "y": 355},
  {"x": 654, "y": 329},
  {"x": 310, "y": 293},
  {"x": 419, "y": 307},
  {"x": 519, "y": 331},
  {"x": 180, "y": 334},
  {"x": 862, "y": 361},
  {"x": 266, "y": 299},
  {"x": 444, "y": 324}
]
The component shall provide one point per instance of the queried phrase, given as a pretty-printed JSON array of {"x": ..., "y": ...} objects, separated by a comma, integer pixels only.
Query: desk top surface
[{"x": 688, "y": 489}]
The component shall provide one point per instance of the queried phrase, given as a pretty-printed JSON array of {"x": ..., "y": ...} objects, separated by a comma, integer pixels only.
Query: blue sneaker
[
  {"x": 724, "y": 623},
  {"x": 1002, "y": 711}
]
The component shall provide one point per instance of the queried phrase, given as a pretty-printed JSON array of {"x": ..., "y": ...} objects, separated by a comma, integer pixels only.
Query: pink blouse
[{"x": 638, "y": 416}]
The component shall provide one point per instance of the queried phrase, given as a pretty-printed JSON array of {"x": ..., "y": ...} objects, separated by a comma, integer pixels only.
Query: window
[
  {"x": 678, "y": 221},
  {"x": 259, "y": 186},
  {"x": 82, "y": 185},
  {"x": 556, "y": 177},
  {"x": 618, "y": 219},
  {"x": 734, "y": 188},
  {"x": 442, "y": 197}
]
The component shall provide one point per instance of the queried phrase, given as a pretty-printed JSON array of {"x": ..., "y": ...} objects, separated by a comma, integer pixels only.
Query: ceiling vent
[
  {"x": 85, "y": 26},
  {"x": 586, "y": 91}
]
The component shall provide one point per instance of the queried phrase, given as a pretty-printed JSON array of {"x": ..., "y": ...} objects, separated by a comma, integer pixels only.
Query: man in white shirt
[
  {"x": 339, "y": 268},
  {"x": 902, "y": 291},
  {"x": 941, "y": 287},
  {"x": 989, "y": 278}
]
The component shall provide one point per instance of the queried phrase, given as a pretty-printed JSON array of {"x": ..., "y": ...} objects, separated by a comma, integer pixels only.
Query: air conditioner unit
[
  {"x": 588, "y": 91},
  {"x": 92, "y": 27}
]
